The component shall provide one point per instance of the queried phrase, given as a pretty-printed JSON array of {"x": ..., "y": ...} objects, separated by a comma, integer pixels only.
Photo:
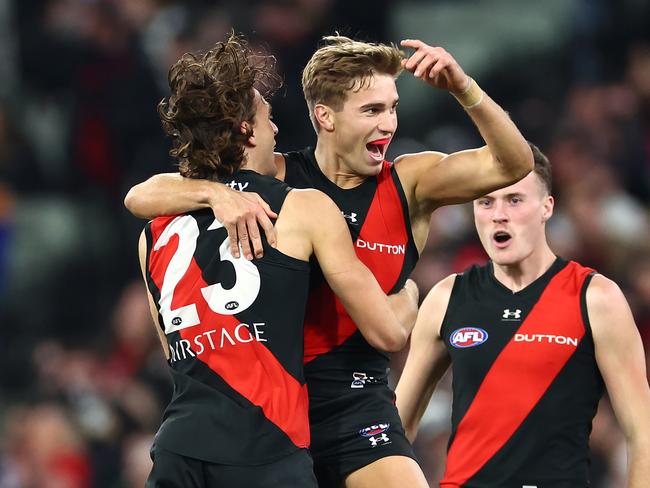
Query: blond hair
[{"x": 343, "y": 64}]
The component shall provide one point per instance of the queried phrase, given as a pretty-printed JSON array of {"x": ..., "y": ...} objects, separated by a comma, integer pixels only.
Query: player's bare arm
[
  {"x": 427, "y": 359},
  {"x": 621, "y": 360},
  {"x": 240, "y": 212},
  {"x": 434, "y": 179},
  {"x": 312, "y": 214},
  {"x": 405, "y": 304}
]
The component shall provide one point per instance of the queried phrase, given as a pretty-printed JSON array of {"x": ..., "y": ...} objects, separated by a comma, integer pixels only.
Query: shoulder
[
  {"x": 609, "y": 314},
  {"x": 415, "y": 159},
  {"x": 310, "y": 195},
  {"x": 434, "y": 306},
  {"x": 313, "y": 205},
  {"x": 440, "y": 293},
  {"x": 604, "y": 295},
  {"x": 412, "y": 167},
  {"x": 413, "y": 164}
]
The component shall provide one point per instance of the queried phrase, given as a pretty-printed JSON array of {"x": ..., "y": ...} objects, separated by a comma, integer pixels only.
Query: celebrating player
[
  {"x": 349, "y": 86},
  {"x": 232, "y": 329},
  {"x": 530, "y": 338}
]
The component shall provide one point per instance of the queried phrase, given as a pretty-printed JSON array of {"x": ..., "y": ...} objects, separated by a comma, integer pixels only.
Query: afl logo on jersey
[
  {"x": 232, "y": 305},
  {"x": 177, "y": 321},
  {"x": 468, "y": 337}
]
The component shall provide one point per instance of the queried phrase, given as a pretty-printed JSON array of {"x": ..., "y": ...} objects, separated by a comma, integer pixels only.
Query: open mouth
[
  {"x": 377, "y": 148},
  {"x": 501, "y": 237}
]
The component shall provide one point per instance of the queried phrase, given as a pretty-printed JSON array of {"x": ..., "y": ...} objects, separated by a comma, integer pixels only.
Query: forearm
[
  {"x": 170, "y": 194},
  {"x": 507, "y": 145},
  {"x": 404, "y": 305},
  {"x": 425, "y": 365},
  {"x": 368, "y": 307},
  {"x": 411, "y": 407},
  {"x": 639, "y": 465}
]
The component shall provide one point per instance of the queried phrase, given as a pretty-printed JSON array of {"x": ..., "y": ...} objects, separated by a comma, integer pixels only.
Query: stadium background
[{"x": 83, "y": 379}]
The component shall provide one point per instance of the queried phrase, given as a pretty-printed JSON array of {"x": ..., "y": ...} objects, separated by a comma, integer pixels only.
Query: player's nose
[
  {"x": 388, "y": 122},
  {"x": 498, "y": 212}
]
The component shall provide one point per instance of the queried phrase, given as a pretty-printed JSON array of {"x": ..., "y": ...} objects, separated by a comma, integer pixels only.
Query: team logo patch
[
  {"x": 352, "y": 217},
  {"x": 376, "y": 434},
  {"x": 511, "y": 315},
  {"x": 468, "y": 337}
]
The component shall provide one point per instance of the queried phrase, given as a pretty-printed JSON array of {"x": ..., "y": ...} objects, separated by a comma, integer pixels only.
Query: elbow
[
  {"x": 132, "y": 203},
  {"x": 525, "y": 162},
  {"x": 528, "y": 160},
  {"x": 129, "y": 201},
  {"x": 136, "y": 203},
  {"x": 518, "y": 165},
  {"x": 393, "y": 342}
]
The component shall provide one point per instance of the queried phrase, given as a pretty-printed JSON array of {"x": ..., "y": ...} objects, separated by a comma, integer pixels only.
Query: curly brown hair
[
  {"x": 343, "y": 64},
  {"x": 211, "y": 96}
]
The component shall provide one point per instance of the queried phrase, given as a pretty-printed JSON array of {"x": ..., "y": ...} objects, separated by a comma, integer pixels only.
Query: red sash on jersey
[
  {"x": 250, "y": 368},
  {"x": 381, "y": 246},
  {"x": 519, "y": 377}
]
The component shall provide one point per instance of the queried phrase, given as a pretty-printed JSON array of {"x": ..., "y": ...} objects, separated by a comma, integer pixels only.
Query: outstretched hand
[
  {"x": 435, "y": 66},
  {"x": 242, "y": 215}
]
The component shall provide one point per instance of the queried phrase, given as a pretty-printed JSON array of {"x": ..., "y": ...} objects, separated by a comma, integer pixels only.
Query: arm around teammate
[{"x": 312, "y": 213}]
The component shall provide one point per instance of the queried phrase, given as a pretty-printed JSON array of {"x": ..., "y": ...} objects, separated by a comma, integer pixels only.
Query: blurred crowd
[{"x": 84, "y": 380}]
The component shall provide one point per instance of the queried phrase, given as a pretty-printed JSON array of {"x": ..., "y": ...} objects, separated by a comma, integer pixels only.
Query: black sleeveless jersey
[
  {"x": 525, "y": 381},
  {"x": 235, "y": 339},
  {"x": 378, "y": 218}
]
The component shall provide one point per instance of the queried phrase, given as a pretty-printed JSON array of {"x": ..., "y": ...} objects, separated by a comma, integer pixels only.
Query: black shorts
[
  {"x": 172, "y": 470},
  {"x": 352, "y": 428}
]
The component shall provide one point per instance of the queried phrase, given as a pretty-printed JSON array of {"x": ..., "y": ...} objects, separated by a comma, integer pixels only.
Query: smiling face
[
  {"x": 511, "y": 222},
  {"x": 364, "y": 127}
]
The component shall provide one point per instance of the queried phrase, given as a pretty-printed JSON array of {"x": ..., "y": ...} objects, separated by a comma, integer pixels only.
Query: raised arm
[
  {"x": 427, "y": 359},
  {"x": 240, "y": 212},
  {"x": 437, "y": 179},
  {"x": 327, "y": 234},
  {"x": 620, "y": 358}
]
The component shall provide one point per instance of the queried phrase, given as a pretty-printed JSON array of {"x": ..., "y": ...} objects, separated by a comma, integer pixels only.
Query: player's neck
[
  {"x": 253, "y": 162},
  {"x": 250, "y": 157},
  {"x": 518, "y": 276},
  {"x": 334, "y": 166}
]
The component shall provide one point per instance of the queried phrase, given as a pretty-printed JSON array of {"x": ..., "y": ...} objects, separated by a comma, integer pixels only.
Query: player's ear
[
  {"x": 324, "y": 117},
  {"x": 547, "y": 207},
  {"x": 247, "y": 128}
]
